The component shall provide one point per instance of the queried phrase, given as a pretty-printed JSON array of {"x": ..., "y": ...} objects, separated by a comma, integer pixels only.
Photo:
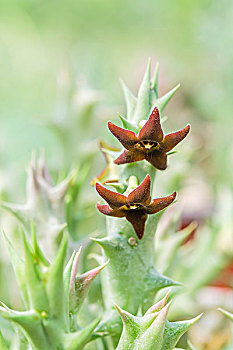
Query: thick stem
[{"x": 130, "y": 280}]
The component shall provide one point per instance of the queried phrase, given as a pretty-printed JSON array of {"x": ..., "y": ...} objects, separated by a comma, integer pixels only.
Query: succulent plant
[
  {"x": 131, "y": 280},
  {"x": 135, "y": 271},
  {"x": 52, "y": 296},
  {"x": 45, "y": 206},
  {"x": 152, "y": 331}
]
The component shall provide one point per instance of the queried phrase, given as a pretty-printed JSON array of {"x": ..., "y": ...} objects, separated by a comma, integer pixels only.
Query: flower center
[
  {"x": 146, "y": 145},
  {"x": 133, "y": 206}
]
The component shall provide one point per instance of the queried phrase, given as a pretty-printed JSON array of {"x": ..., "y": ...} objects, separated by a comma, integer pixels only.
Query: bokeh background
[{"x": 60, "y": 64}]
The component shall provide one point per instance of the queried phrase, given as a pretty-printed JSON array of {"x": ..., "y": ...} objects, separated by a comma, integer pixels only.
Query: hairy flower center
[
  {"x": 146, "y": 145},
  {"x": 134, "y": 206}
]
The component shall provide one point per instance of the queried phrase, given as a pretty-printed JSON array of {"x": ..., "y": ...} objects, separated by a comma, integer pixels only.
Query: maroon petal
[
  {"x": 137, "y": 219},
  {"x": 159, "y": 204},
  {"x": 157, "y": 159},
  {"x": 141, "y": 194},
  {"x": 114, "y": 199},
  {"x": 171, "y": 140},
  {"x": 106, "y": 210},
  {"x": 152, "y": 129},
  {"x": 129, "y": 157},
  {"x": 126, "y": 137}
]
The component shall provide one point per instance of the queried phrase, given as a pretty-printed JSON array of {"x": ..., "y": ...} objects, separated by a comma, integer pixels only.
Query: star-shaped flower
[
  {"x": 135, "y": 207},
  {"x": 149, "y": 143}
]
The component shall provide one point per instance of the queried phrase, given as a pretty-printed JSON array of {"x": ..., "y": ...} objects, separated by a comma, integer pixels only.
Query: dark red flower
[
  {"x": 135, "y": 207},
  {"x": 149, "y": 143}
]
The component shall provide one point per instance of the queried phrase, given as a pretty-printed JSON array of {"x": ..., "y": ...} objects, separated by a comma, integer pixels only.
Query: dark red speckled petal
[
  {"x": 159, "y": 204},
  {"x": 126, "y": 137},
  {"x": 141, "y": 194},
  {"x": 138, "y": 220},
  {"x": 171, "y": 140},
  {"x": 114, "y": 199},
  {"x": 157, "y": 159},
  {"x": 106, "y": 210},
  {"x": 152, "y": 129},
  {"x": 129, "y": 157}
]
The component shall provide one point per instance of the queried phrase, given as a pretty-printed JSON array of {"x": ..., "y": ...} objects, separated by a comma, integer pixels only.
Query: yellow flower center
[
  {"x": 147, "y": 145},
  {"x": 133, "y": 206}
]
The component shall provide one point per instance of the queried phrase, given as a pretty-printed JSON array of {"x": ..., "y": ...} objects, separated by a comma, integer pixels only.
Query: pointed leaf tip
[
  {"x": 163, "y": 312},
  {"x": 174, "y": 330},
  {"x": 158, "y": 306},
  {"x": 105, "y": 243},
  {"x": 79, "y": 287},
  {"x": 226, "y": 313},
  {"x": 162, "y": 102},
  {"x": 166, "y": 308},
  {"x": 126, "y": 317},
  {"x": 197, "y": 318},
  {"x": 74, "y": 267},
  {"x": 86, "y": 278},
  {"x": 101, "y": 267},
  {"x": 118, "y": 309}
]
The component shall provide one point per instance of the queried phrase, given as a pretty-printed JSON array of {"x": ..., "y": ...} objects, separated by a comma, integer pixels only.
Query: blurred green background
[
  {"x": 99, "y": 41},
  {"x": 60, "y": 63}
]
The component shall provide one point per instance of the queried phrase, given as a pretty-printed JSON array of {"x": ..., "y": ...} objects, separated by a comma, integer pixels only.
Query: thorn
[
  {"x": 158, "y": 306},
  {"x": 74, "y": 268}
]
